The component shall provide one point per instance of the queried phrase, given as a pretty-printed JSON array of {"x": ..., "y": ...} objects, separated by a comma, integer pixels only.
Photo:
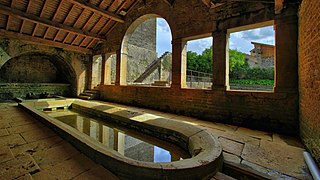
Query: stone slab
[
  {"x": 231, "y": 146},
  {"x": 254, "y": 133},
  {"x": 283, "y": 159},
  {"x": 18, "y": 167},
  {"x": 67, "y": 169},
  {"x": 12, "y": 140},
  {"x": 25, "y": 128},
  {"x": 31, "y": 136},
  {"x": 231, "y": 158},
  {"x": 36, "y": 146},
  {"x": 4, "y": 132},
  {"x": 236, "y": 137},
  {"x": 97, "y": 172},
  {"x": 5, "y": 154},
  {"x": 54, "y": 155}
]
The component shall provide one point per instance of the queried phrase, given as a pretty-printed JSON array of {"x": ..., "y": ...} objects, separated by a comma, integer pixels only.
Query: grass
[{"x": 265, "y": 82}]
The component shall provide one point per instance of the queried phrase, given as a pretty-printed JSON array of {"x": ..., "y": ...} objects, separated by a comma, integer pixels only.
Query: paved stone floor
[{"x": 29, "y": 150}]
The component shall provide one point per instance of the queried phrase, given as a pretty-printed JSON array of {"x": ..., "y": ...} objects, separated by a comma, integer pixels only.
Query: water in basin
[{"x": 129, "y": 143}]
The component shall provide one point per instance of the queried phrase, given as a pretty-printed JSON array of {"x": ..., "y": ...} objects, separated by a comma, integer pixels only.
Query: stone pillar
[
  {"x": 89, "y": 72},
  {"x": 118, "y": 67},
  {"x": 220, "y": 61},
  {"x": 177, "y": 47},
  {"x": 286, "y": 60},
  {"x": 108, "y": 69},
  {"x": 103, "y": 69}
]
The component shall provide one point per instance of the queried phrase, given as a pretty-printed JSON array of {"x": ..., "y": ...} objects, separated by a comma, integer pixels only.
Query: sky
[{"x": 240, "y": 41}]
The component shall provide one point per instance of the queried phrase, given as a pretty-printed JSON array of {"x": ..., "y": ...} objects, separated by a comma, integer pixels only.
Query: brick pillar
[
  {"x": 103, "y": 68},
  {"x": 220, "y": 61},
  {"x": 177, "y": 47},
  {"x": 286, "y": 61},
  {"x": 89, "y": 72},
  {"x": 118, "y": 64}
]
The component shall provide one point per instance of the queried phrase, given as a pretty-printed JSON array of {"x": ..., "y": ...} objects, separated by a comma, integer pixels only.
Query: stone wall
[
  {"x": 309, "y": 75},
  {"x": 142, "y": 51},
  {"x": 31, "y": 69},
  {"x": 8, "y": 91},
  {"x": 71, "y": 65}
]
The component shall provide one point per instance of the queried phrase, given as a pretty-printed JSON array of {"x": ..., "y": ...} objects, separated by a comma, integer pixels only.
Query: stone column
[
  {"x": 89, "y": 72},
  {"x": 177, "y": 75},
  {"x": 118, "y": 67},
  {"x": 220, "y": 61},
  {"x": 286, "y": 57},
  {"x": 103, "y": 69},
  {"x": 108, "y": 69}
]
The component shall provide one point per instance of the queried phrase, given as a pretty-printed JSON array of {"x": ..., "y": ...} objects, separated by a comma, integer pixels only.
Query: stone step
[
  {"x": 87, "y": 94},
  {"x": 84, "y": 97},
  {"x": 92, "y": 91}
]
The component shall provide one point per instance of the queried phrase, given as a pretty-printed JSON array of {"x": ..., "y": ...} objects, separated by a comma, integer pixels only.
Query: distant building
[{"x": 261, "y": 56}]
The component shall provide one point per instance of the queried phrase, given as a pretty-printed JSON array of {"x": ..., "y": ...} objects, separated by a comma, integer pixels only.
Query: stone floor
[{"x": 29, "y": 150}]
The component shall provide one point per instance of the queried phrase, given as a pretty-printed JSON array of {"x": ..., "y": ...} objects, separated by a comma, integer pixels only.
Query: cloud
[
  {"x": 164, "y": 37},
  {"x": 199, "y": 45},
  {"x": 241, "y": 41}
]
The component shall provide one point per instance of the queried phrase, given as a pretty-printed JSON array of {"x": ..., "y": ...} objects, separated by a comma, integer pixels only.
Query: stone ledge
[{"x": 205, "y": 149}]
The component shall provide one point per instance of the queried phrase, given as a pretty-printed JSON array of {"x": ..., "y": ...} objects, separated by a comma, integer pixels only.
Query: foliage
[
  {"x": 201, "y": 62},
  {"x": 239, "y": 67},
  {"x": 266, "y": 82}
]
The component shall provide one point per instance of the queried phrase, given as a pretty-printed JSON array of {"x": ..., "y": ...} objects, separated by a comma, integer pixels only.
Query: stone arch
[
  {"x": 125, "y": 42},
  {"x": 59, "y": 62}
]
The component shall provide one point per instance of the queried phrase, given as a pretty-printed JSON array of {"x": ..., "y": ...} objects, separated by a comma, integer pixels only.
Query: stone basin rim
[{"x": 205, "y": 149}]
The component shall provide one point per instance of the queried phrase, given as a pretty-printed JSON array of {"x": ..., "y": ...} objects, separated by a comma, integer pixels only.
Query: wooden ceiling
[{"x": 76, "y": 25}]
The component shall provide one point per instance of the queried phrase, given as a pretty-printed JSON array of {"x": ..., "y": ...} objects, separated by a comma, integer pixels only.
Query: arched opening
[
  {"x": 37, "y": 75},
  {"x": 146, "y": 57}
]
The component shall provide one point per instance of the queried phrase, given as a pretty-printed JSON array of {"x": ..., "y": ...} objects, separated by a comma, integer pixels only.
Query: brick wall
[
  {"x": 266, "y": 111},
  {"x": 309, "y": 75},
  {"x": 276, "y": 112}
]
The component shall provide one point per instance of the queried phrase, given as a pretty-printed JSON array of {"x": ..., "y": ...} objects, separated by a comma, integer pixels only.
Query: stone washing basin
[{"x": 205, "y": 150}]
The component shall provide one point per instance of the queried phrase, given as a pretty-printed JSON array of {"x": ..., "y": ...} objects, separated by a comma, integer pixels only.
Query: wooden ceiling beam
[
  {"x": 129, "y": 9},
  {"x": 35, "y": 19},
  {"x": 224, "y": 1},
  {"x": 109, "y": 21},
  {"x": 28, "y": 7},
  {"x": 53, "y": 18},
  {"x": 64, "y": 21},
  {"x": 41, "y": 41},
  {"x": 41, "y": 13},
  {"x": 97, "y": 10}
]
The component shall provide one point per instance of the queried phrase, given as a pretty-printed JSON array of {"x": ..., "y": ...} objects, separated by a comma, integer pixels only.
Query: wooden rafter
[
  {"x": 89, "y": 44},
  {"x": 224, "y": 1},
  {"x": 97, "y": 10},
  {"x": 35, "y": 19},
  {"x": 64, "y": 21},
  {"x": 117, "y": 11},
  {"x": 53, "y": 18},
  {"x": 114, "y": 25},
  {"x": 79, "y": 17},
  {"x": 85, "y": 25},
  {"x": 41, "y": 41},
  {"x": 28, "y": 7},
  {"x": 41, "y": 13}
]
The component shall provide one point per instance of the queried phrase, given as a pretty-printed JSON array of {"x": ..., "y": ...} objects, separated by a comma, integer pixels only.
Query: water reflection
[{"x": 133, "y": 147}]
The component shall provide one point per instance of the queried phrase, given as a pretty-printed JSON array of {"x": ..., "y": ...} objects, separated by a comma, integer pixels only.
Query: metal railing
[{"x": 197, "y": 79}]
